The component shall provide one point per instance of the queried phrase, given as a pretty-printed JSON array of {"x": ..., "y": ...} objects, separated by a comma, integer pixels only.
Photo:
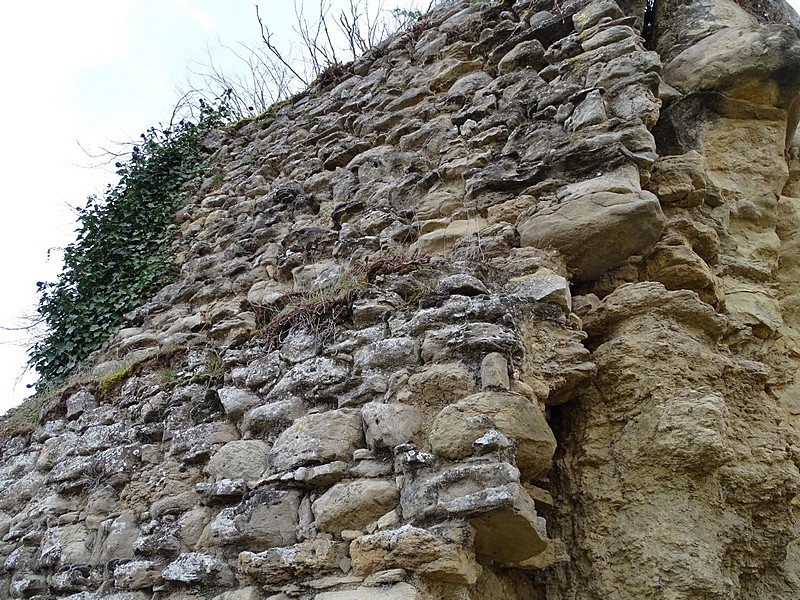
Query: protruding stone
[
  {"x": 194, "y": 567},
  {"x": 457, "y": 426},
  {"x": 398, "y": 591},
  {"x": 390, "y": 353},
  {"x": 355, "y": 504},
  {"x": 237, "y": 401},
  {"x": 525, "y": 55},
  {"x": 593, "y": 12},
  {"x": 80, "y": 402},
  {"x": 240, "y": 459},
  {"x": 388, "y": 425},
  {"x": 461, "y": 284},
  {"x": 318, "y": 438},
  {"x": 277, "y": 565},
  {"x": 596, "y": 232},
  {"x": 542, "y": 286},
  {"x": 442, "y": 553},
  {"x": 138, "y": 574},
  {"x": 494, "y": 372}
]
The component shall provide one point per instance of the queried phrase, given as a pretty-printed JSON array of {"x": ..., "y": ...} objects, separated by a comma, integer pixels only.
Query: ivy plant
[{"x": 123, "y": 252}]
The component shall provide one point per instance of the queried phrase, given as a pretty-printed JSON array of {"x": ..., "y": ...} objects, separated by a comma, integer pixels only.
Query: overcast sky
[{"x": 84, "y": 74}]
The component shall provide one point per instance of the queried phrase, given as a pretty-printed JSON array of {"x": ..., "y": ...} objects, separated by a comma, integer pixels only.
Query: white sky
[{"x": 90, "y": 72}]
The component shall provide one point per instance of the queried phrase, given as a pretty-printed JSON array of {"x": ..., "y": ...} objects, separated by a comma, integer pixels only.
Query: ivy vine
[{"x": 123, "y": 252}]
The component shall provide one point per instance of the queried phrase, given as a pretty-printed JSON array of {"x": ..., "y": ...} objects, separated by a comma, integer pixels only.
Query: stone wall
[{"x": 508, "y": 308}]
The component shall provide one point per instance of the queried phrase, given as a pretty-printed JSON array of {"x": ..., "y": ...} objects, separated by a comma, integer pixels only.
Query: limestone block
[
  {"x": 74, "y": 578},
  {"x": 456, "y": 428},
  {"x": 27, "y": 585},
  {"x": 443, "y": 552},
  {"x": 591, "y": 111},
  {"x": 172, "y": 505},
  {"x": 485, "y": 491},
  {"x": 354, "y": 504},
  {"x": 494, "y": 372},
  {"x": 120, "y": 535},
  {"x": 80, "y": 402},
  {"x": 398, "y": 591},
  {"x": 322, "y": 475},
  {"x": 299, "y": 345},
  {"x": 5, "y": 524},
  {"x": 264, "y": 293},
  {"x": 450, "y": 70},
  {"x": 310, "y": 378},
  {"x": 387, "y": 425},
  {"x": 369, "y": 311},
  {"x": 224, "y": 489},
  {"x": 195, "y": 567},
  {"x": 605, "y": 36},
  {"x": 239, "y": 459},
  {"x": 318, "y": 438},
  {"x": 191, "y": 524},
  {"x": 466, "y": 86},
  {"x": 468, "y": 339},
  {"x": 272, "y": 415},
  {"x": 263, "y": 371},
  {"x": 66, "y": 545},
  {"x": 276, "y": 565},
  {"x": 138, "y": 574},
  {"x": 742, "y": 62},
  {"x": 508, "y": 528},
  {"x": 677, "y": 266},
  {"x": 752, "y": 304},
  {"x": 391, "y": 353},
  {"x": 247, "y": 593},
  {"x": 443, "y": 240},
  {"x": 442, "y": 383},
  {"x": 590, "y": 15},
  {"x": 192, "y": 443},
  {"x": 265, "y": 519},
  {"x": 542, "y": 286},
  {"x": 525, "y": 55},
  {"x": 238, "y": 401},
  {"x": 462, "y": 285},
  {"x": 595, "y": 232}
]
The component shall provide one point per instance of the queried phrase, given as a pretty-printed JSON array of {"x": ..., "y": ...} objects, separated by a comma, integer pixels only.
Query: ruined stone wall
[{"x": 507, "y": 309}]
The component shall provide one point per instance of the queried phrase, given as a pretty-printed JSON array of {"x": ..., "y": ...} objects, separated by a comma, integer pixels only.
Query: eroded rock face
[{"x": 527, "y": 311}]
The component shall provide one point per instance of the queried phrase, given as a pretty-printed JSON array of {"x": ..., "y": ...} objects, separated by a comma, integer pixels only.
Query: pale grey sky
[{"x": 87, "y": 73}]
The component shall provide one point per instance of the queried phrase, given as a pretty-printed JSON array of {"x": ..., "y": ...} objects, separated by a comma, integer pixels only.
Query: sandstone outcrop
[{"x": 509, "y": 309}]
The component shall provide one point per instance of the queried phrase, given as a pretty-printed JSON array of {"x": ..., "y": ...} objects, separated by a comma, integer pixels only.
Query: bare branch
[{"x": 267, "y": 38}]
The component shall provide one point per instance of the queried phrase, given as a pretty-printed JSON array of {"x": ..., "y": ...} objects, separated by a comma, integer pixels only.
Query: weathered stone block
[
  {"x": 318, "y": 438},
  {"x": 277, "y": 565},
  {"x": 398, "y": 591},
  {"x": 239, "y": 459},
  {"x": 265, "y": 519},
  {"x": 237, "y": 401},
  {"x": 387, "y": 425},
  {"x": 443, "y": 553},
  {"x": 596, "y": 232},
  {"x": 196, "y": 567},
  {"x": 457, "y": 426},
  {"x": 355, "y": 504},
  {"x": 138, "y": 574}
]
